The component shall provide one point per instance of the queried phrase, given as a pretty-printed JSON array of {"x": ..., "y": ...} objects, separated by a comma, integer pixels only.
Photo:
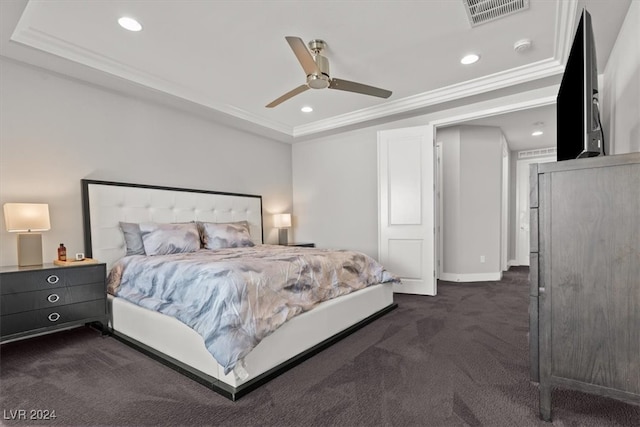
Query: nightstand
[
  {"x": 34, "y": 300},
  {"x": 302, "y": 245}
]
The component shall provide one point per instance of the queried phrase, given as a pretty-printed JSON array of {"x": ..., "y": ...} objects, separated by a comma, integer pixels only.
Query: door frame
[
  {"x": 520, "y": 182},
  {"x": 438, "y": 207},
  {"x": 504, "y": 211}
]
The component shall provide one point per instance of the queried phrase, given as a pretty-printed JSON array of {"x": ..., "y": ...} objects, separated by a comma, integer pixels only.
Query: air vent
[
  {"x": 483, "y": 11},
  {"x": 537, "y": 153}
]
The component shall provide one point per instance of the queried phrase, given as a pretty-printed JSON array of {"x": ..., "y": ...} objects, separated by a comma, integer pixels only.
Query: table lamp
[
  {"x": 282, "y": 222},
  {"x": 25, "y": 219}
]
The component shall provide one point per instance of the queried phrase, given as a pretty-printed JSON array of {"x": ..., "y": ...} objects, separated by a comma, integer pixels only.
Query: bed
[{"x": 108, "y": 204}]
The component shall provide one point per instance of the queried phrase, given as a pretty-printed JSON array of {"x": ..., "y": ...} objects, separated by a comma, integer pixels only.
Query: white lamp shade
[
  {"x": 20, "y": 217},
  {"x": 282, "y": 220}
]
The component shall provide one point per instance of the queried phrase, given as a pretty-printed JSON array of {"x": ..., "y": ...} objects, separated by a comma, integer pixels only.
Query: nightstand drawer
[
  {"x": 27, "y": 301},
  {"x": 82, "y": 275},
  {"x": 24, "y": 281},
  {"x": 51, "y": 317}
]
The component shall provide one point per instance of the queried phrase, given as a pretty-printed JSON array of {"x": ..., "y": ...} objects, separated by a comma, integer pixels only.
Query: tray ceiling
[{"x": 230, "y": 58}]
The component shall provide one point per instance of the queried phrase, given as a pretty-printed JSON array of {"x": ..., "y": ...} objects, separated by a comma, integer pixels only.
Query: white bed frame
[{"x": 105, "y": 204}]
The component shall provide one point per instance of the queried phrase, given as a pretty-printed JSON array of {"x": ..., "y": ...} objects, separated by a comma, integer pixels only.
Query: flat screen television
[{"x": 579, "y": 131}]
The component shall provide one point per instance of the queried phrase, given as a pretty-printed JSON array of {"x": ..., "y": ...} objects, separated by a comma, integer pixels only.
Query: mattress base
[
  {"x": 183, "y": 349},
  {"x": 235, "y": 393}
]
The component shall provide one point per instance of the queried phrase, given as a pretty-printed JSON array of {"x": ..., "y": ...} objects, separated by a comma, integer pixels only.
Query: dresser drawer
[
  {"x": 51, "y": 317},
  {"x": 27, "y": 301},
  {"x": 52, "y": 278}
]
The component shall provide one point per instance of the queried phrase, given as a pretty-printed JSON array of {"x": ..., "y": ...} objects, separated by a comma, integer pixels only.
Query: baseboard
[
  {"x": 473, "y": 277},
  {"x": 512, "y": 263}
]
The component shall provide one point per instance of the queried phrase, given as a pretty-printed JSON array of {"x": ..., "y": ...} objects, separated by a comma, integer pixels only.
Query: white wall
[
  {"x": 336, "y": 192},
  {"x": 480, "y": 199},
  {"x": 621, "y": 88},
  {"x": 54, "y": 131},
  {"x": 450, "y": 138},
  {"x": 335, "y": 178},
  {"x": 472, "y": 196}
]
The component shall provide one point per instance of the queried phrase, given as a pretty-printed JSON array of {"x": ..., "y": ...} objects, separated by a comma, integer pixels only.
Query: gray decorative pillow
[
  {"x": 163, "y": 239},
  {"x": 225, "y": 235},
  {"x": 132, "y": 238}
]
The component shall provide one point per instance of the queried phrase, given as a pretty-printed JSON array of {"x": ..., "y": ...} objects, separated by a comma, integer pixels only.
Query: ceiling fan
[{"x": 316, "y": 67}]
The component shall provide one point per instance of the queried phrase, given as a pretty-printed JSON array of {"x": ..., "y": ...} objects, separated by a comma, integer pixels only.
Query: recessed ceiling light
[
  {"x": 470, "y": 59},
  {"x": 129, "y": 24},
  {"x": 536, "y": 133},
  {"x": 306, "y": 109}
]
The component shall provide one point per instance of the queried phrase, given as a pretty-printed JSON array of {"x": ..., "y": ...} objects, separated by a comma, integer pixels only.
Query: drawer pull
[
  {"x": 53, "y": 298},
  {"x": 53, "y": 279},
  {"x": 54, "y": 317}
]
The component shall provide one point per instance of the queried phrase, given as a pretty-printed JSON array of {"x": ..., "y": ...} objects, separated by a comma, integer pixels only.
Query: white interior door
[
  {"x": 406, "y": 242},
  {"x": 522, "y": 207}
]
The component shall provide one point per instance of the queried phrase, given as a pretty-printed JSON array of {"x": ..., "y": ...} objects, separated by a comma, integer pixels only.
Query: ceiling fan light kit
[
  {"x": 318, "y": 82},
  {"x": 316, "y": 68}
]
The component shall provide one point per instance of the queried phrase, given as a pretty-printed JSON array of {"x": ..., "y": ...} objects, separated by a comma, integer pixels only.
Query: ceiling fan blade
[
  {"x": 288, "y": 95},
  {"x": 348, "y": 86},
  {"x": 304, "y": 56}
]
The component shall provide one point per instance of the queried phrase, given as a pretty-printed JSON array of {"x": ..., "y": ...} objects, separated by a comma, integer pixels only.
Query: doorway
[
  {"x": 509, "y": 222},
  {"x": 522, "y": 207}
]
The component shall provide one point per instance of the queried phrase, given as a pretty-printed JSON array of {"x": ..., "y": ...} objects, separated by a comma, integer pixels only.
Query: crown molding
[
  {"x": 567, "y": 12},
  {"x": 540, "y": 100},
  {"x": 29, "y": 36},
  {"x": 538, "y": 70}
]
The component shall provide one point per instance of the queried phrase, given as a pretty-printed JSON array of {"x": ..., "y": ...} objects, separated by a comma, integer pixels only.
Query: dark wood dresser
[
  {"x": 35, "y": 300},
  {"x": 585, "y": 277}
]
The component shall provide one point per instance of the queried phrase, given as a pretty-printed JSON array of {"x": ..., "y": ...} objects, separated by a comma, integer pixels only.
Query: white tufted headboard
[{"x": 105, "y": 204}]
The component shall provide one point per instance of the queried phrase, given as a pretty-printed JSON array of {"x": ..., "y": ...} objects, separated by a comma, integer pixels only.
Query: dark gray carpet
[{"x": 459, "y": 359}]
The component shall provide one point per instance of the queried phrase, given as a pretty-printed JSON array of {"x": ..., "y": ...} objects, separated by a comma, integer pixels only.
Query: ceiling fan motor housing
[{"x": 320, "y": 80}]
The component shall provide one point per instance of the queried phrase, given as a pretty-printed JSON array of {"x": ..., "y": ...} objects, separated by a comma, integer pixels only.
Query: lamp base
[
  {"x": 283, "y": 236},
  {"x": 29, "y": 249}
]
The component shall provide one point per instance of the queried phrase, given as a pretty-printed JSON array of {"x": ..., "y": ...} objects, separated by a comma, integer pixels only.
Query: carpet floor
[{"x": 459, "y": 359}]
